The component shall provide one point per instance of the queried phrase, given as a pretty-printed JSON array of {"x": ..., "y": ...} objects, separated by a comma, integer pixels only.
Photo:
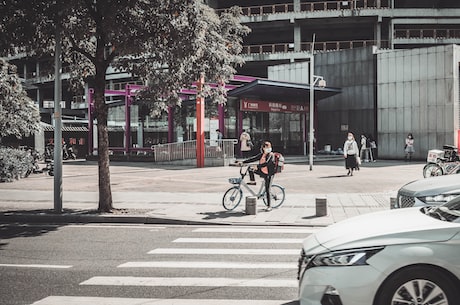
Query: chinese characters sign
[{"x": 266, "y": 106}]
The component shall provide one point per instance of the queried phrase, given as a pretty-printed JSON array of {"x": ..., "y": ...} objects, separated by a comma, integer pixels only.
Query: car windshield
[{"x": 449, "y": 211}]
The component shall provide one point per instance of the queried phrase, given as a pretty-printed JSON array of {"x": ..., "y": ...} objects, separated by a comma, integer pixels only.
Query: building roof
[{"x": 265, "y": 89}]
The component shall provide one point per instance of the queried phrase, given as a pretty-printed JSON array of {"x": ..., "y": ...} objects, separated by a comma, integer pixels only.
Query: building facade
[{"x": 374, "y": 50}]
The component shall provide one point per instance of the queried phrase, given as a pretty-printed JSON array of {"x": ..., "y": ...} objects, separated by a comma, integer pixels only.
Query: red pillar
[
  {"x": 127, "y": 121},
  {"x": 199, "y": 124},
  {"x": 90, "y": 122}
]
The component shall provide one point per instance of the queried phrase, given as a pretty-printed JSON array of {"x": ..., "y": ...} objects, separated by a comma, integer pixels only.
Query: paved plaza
[{"x": 151, "y": 193}]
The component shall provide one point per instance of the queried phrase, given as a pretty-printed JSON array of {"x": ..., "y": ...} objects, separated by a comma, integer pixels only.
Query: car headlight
[
  {"x": 441, "y": 198},
  {"x": 356, "y": 257}
]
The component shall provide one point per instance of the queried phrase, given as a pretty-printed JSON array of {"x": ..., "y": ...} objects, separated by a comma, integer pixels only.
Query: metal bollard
[
  {"x": 321, "y": 207},
  {"x": 393, "y": 203},
  {"x": 251, "y": 205}
]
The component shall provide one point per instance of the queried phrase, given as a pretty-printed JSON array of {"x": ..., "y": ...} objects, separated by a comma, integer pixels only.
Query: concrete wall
[
  {"x": 354, "y": 109},
  {"x": 294, "y": 72},
  {"x": 418, "y": 94}
]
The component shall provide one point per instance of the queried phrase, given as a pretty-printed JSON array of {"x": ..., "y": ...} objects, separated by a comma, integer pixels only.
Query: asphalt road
[{"x": 72, "y": 264}]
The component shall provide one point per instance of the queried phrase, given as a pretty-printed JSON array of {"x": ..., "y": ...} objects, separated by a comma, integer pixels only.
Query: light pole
[
  {"x": 57, "y": 125},
  {"x": 322, "y": 83}
]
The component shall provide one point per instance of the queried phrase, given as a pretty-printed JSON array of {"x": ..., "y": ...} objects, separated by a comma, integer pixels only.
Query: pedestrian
[
  {"x": 219, "y": 140},
  {"x": 246, "y": 144},
  {"x": 350, "y": 152},
  {"x": 265, "y": 169},
  {"x": 373, "y": 149},
  {"x": 409, "y": 147},
  {"x": 364, "y": 149}
]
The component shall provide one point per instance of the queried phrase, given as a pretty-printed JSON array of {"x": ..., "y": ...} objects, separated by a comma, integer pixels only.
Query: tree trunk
[{"x": 105, "y": 192}]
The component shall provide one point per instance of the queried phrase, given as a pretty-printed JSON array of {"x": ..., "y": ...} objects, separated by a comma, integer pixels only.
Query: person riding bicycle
[{"x": 265, "y": 168}]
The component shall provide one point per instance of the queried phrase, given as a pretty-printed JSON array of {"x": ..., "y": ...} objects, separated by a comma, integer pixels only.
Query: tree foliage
[
  {"x": 19, "y": 116},
  {"x": 167, "y": 44}
]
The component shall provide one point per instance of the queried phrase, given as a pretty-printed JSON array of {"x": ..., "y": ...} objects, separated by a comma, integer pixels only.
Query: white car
[
  {"x": 429, "y": 191},
  {"x": 394, "y": 257}
]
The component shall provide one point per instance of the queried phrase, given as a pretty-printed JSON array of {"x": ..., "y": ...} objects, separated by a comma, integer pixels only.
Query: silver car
[
  {"x": 429, "y": 191},
  {"x": 402, "y": 256}
]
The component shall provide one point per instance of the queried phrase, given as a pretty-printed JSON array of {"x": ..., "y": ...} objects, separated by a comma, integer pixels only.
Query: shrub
[{"x": 14, "y": 164}]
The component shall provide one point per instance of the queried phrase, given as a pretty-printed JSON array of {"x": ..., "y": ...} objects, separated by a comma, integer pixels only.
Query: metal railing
[
  {"x": 306, "y": 46},
  {"x": 312, "y": 7},
  {"x": 427, "y": 33},
  {"x": 224, "y": 149}
]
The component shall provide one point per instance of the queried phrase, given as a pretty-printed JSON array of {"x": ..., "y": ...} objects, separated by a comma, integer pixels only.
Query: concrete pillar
[
  {"x": 296, "y": 5},
  {"x": 297, "y": 38},
  {"x": 391, "y": 33},
  {"x": 378, "y": 32},
  {"x": 251, "y": 205}
]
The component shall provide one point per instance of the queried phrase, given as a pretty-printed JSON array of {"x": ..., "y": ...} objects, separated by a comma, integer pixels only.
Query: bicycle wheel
[
  {"x": 232, "y": 198},
  {"x": 431, "y": 170},
  {"x": 277, "y": 196}
]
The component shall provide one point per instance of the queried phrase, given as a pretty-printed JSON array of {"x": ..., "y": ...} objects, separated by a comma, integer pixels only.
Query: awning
[
  {"x": 48, "y": 127},
  {"x": 281, "y": 91}
]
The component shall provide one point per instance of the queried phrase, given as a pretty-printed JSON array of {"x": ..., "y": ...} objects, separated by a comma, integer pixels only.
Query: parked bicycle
[
  {"x": 442, "y": 162},
  {"x": 233, "y": 195}
]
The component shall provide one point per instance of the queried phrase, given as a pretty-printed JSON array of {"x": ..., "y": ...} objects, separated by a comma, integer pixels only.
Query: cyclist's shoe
[
  {"x": 268, "y": 209},
  {"x": 251, "y": 183}
]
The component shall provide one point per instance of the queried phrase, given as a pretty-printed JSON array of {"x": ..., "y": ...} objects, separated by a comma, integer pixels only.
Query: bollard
[
  {"x": 321, "y": 207},
  {"x": 393, "y": 203},
  {"x": 251, "y": 205}
]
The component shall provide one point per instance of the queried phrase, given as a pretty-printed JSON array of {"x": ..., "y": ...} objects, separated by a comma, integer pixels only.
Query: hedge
[{"x": 14, "y": 164}]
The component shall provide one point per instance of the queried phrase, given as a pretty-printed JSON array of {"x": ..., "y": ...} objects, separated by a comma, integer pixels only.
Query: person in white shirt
[{"x": 350, "y": 152}]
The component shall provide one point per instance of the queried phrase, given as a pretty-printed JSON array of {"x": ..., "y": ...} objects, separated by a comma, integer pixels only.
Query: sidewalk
[{"x": 145, "y": 193}]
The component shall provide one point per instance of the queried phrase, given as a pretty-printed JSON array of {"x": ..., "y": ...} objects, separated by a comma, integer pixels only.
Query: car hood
[
  {"x": 433, "y": 186},
  {"x": 401, "y": 226}
]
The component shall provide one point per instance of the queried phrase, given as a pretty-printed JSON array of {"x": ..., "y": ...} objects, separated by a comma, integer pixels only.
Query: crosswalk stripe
[
  {"x": 207, "y": 265},
  {"x": 225, "y": 251},
  {"x": 257, "y": 230},
  {"x": 188, "y": 281},
  {"x": 36, "y": 266},
  {"x": 68, "y": 300},
  {"x": 240, "y": 240}
]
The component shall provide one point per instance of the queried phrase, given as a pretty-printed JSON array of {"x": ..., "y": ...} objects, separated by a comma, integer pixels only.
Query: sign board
[{"x": 268, "y": 106}]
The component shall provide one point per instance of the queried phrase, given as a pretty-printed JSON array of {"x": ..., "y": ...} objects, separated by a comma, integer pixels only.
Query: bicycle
[{"x": 233, "y": 195}]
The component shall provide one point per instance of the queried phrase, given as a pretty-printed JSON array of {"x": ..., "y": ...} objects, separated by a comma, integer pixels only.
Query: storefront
[
  {"x": 268, "y": 110},
  {"x": 278, "y": 112}
]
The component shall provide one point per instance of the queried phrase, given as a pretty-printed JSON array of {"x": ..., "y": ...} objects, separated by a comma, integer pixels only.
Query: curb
[{"x": 23, "y": 218}]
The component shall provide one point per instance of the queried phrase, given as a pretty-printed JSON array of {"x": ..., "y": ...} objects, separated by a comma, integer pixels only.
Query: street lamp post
[
  {"x": 322, "y": 83},
  {"x": 57, "y": 125}
]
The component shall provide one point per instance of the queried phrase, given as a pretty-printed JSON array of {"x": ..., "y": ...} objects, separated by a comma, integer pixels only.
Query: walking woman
[{"x": 350, "y": 152}]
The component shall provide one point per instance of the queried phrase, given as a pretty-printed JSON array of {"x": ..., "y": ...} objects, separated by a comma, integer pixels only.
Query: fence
[
  {"x": 313, "y": 7},
  {"x": 215, "y": 153}
]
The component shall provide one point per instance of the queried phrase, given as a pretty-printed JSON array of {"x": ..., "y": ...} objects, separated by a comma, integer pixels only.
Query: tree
[
  {"x": 19, "y": 116},
  {"x": 168, "y": 44}
]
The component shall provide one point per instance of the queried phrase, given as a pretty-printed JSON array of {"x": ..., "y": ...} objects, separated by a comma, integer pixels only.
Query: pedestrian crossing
[{"x": 220, "y": 258}]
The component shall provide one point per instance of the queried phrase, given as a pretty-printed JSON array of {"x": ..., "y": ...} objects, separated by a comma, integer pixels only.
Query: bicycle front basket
[{"x": 234, "y": 180}]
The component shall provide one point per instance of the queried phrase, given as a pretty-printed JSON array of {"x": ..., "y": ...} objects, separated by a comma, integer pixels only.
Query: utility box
[{"x": 251, "y": 205}]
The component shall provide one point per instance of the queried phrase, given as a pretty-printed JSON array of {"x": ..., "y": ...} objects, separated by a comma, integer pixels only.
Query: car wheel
[{"x": 418, "y": 285}]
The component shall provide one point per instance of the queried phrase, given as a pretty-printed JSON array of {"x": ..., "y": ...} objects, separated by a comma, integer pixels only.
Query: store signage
[{"x": 267, "y": 106}]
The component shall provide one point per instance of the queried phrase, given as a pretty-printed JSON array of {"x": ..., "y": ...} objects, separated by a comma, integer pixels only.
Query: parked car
[
  {"x": 402, "y": 256},
  {"x": 430, "y": 191}
]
